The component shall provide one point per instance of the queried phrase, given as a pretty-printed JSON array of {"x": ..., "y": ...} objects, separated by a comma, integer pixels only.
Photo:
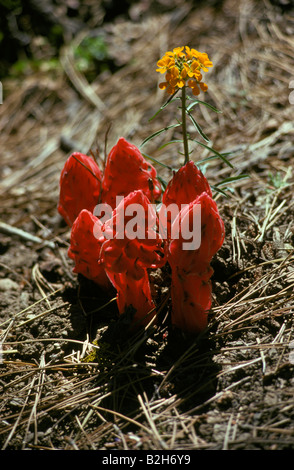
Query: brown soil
[{"x": 70, "y": 378}]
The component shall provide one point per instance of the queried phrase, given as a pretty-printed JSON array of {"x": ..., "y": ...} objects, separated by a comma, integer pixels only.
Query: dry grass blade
[
  {"x": 17, "y": 422},
  {"x": 78, "y": 80},
  {"x": 160, "y": 444},
  {"x": 33, "y": 415}
]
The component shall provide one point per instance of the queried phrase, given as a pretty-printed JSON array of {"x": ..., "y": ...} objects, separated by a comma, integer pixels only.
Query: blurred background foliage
[{"x": 33, "y": 31}]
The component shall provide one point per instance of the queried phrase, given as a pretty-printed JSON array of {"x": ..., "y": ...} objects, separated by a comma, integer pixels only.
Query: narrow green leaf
[
  {"x": 221, "y": 156},
  {"x": 156, "y": 161},
  {"x": 198, "y": 127},
  {"x": 231, "y": 179},
  {"x": 170, "y": 142},
  {"x": 205, "y": 104},
  {"x": 170, "y": 100},
  {"x": 155, "y": 134},
  {"x": 162, "y": 182},
  {"x": 205, "y": 160},
  {"x": 221, "y": 191},
  {"x": 211, "y": 157}
]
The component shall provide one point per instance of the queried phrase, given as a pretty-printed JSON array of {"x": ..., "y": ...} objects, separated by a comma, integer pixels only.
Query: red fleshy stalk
[
  {"x": 191, "y": 270},
  {"x": 127, "y": 256},
  {"x": 127, "y": 170},
  {"x": 187, "y": 183},
  {"x": 136, "y": 294},
  {"x": 191, "y": 300},
  {"x": 85, "y": 245},
  {"x": 80, "y": 186}
]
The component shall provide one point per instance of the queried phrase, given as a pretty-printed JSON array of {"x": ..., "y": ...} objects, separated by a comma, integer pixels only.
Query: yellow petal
[
  {"x": 177, "y": 50},
  {"x": 195, "y": 65},
  {"x": 189, "y": 52},
  {"x": 184, "y": 72},
  {"x": 174, "y": 72},
  {"x": 163, "y": 85},
  {"x": 203, "y": 86},
  {"x": 181, "y": 83},
  {"x": 195, "y": 91},
  {"x": 197, "y": 75}
]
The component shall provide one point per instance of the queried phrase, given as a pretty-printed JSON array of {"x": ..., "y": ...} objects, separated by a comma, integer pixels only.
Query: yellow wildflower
[{"x": 182, "y": 67}]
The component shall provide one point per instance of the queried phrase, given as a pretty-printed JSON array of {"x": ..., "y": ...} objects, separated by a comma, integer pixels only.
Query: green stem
[{"x": 184, "y": 126}]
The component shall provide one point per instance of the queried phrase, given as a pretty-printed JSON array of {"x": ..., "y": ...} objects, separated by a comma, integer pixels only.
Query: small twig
[
  {"x": 10, "y": 230},
  {"x": 227, "y": 434},
  {"x": 262, "y": 357},
  {"x": 29, "y": 307},
  {"x": 83, "y": 432},
  {"x": 40, "y": 315},
  {"x": 38, "y": 278},
  {"x": 20, "y": 414},
  {"x": 78, "y": 80},
  {"x": 33, "y": 414},
  {"x": 105, "y": 143}
]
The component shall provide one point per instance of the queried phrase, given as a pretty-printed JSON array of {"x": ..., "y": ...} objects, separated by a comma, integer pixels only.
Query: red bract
[
  {"x": 130, "y": 249},
  {"x": 121, "y": 250},
  {"x": 191, "y": 270},
  {"x": 85, "y": 245},
  {"x": 127, "y": 170},
  {"x": 211, "y": 234},
  {"x": 132, "y": 244},
  {"x": 185, "y": 186},
  {"x": 187, "y": 183},
  {"x": 80, "y": 186}
]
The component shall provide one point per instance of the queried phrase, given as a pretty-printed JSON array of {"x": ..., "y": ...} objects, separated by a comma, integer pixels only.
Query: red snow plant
[{"x": 118, "y": 235}]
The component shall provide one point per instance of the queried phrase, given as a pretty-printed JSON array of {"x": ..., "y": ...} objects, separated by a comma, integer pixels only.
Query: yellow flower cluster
[{"x": 182, "y": 67}]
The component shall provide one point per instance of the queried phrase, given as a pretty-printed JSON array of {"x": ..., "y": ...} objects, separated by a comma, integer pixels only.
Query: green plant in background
[
  {"x": 90, "y": 54},
  {"x": 28, "y": 66},
  {"x": 276, "y": 180},
  {"x": 10, "y": 4}
]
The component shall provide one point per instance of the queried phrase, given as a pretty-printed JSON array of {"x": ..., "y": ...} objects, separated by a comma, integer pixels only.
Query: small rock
[
  {"x": 8, "y": 284},
  {"x": 219, "y": 431},
  {"x": 270, "y": 398}
]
